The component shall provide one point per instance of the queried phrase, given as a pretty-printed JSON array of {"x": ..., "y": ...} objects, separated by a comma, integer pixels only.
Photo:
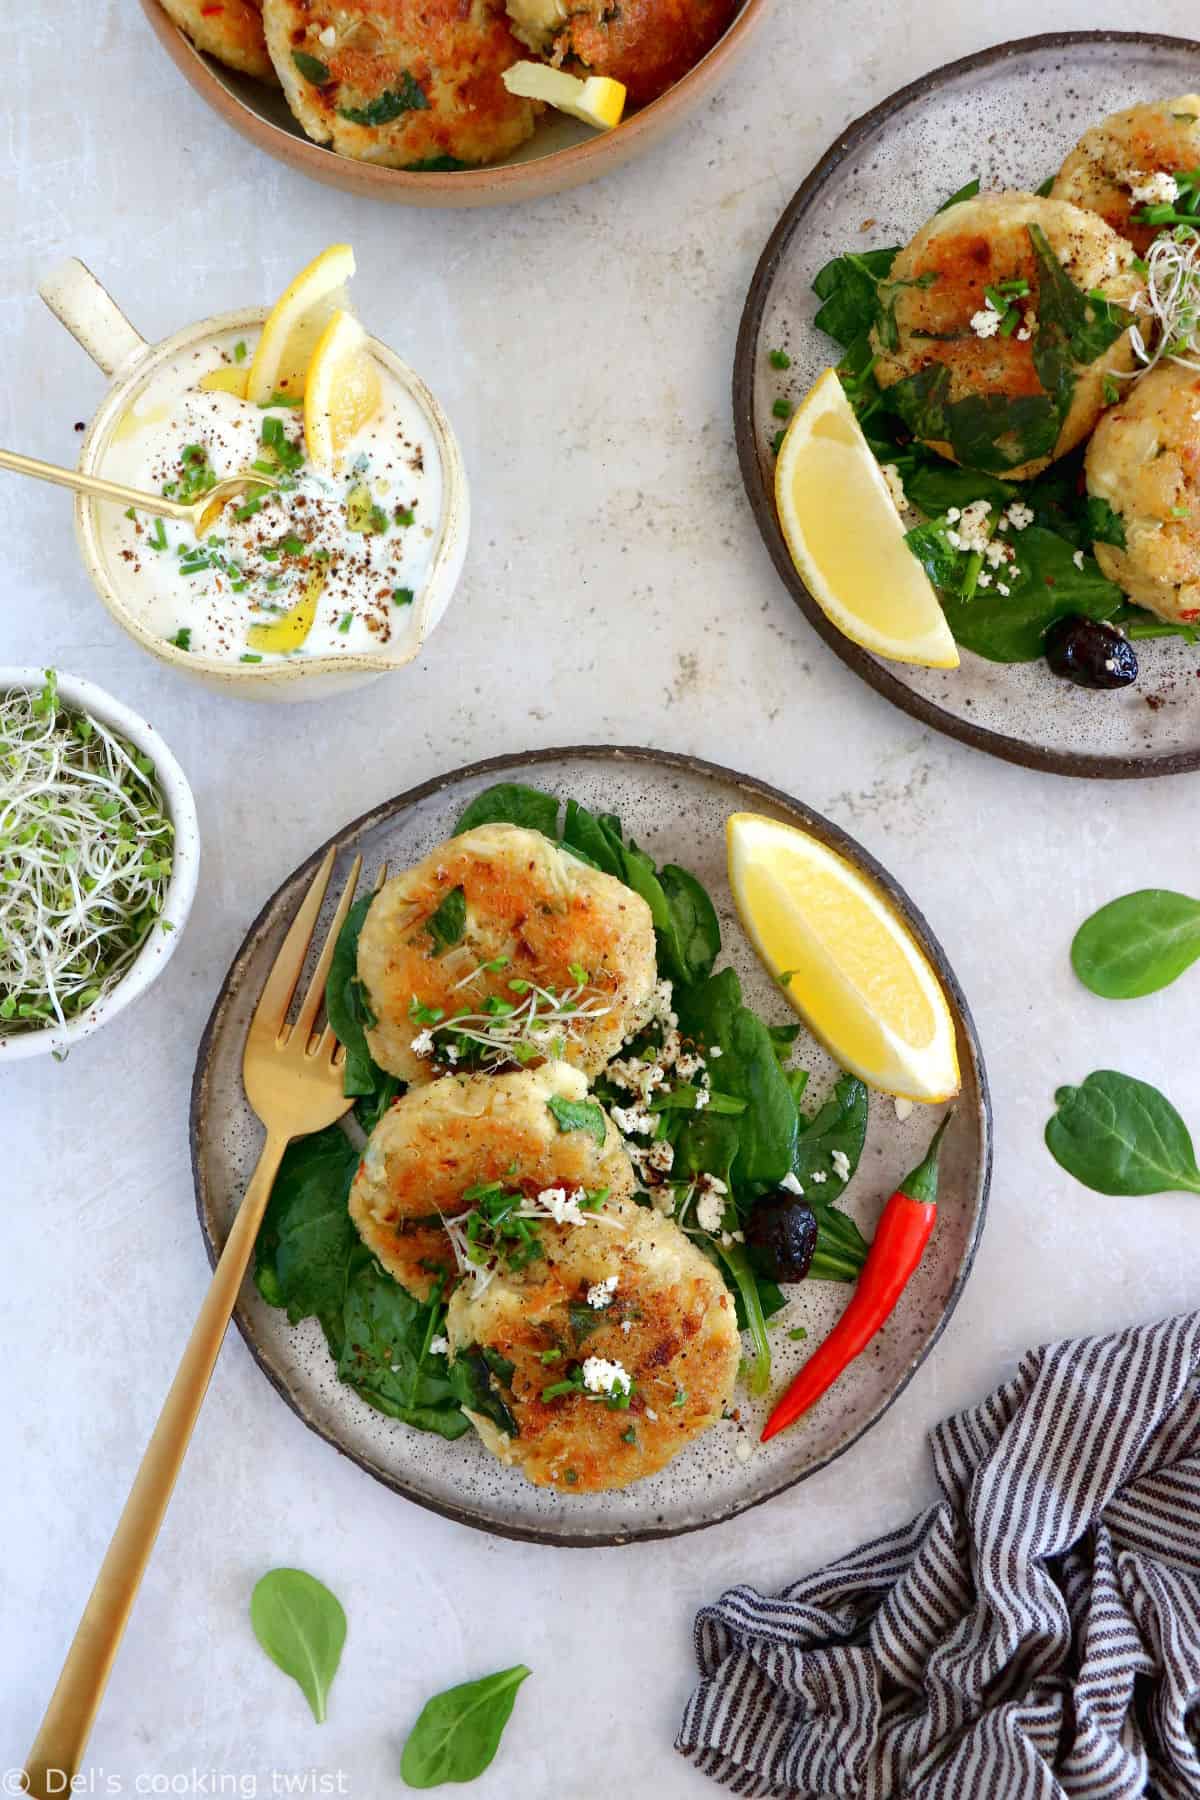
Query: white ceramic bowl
[
  {"x": 156, "y": 952},
  {"x": 95, "y": 320}
]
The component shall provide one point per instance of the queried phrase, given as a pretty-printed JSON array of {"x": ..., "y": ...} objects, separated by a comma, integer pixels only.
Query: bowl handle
[{"x": 92, "y": 316}]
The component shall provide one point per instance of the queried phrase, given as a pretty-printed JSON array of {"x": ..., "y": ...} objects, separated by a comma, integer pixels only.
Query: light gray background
[{"x": 616, "y": 591}]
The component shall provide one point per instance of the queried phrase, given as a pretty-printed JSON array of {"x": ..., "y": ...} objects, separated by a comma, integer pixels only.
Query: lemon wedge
[
  {"x": 846, "y": 537},
  {"x": 295, "y": 323},
  {"x": 597, "y": 99},
  {"x": 226, "y": 380},
  {"x": 342, "y": 391},
  {"x": 290, "y": 630},
  {"x": 849, "y": 966}
]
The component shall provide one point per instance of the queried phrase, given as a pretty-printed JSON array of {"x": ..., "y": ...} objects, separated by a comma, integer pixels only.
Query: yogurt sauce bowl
[{"x": 371, "y": 553}]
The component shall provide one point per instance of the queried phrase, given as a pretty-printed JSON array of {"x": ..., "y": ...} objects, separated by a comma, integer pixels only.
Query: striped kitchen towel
[{"x": 1035, "y": 1634}]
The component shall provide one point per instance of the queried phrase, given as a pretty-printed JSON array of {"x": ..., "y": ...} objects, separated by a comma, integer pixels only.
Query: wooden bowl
[{"x": 562, "y": 154}]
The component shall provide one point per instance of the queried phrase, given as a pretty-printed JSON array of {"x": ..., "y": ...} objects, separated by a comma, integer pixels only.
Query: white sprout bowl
[{"x": 155, "y": 953}]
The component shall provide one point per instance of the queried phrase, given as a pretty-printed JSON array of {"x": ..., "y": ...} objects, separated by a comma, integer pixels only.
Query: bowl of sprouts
[{"x": 99, "y": 854}]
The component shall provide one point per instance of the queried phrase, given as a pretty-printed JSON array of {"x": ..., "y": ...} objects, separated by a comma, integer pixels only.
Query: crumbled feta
[
  {"x": 1158, "y": 189},
  {"x": 953, "y": 515},
  {"x": 563, "y": 1208},
  {"x": 708, "y": 1212},
  {"x": 983, "y": 579},
  {"x": 627, "y": 1326},
  {"x": 661, "y": 1156},
  {"x": 1077, "y": 559},
  {"x": 716, "y": 1049},
  {"x": 603, "y": 1377},
  {"x": 633, "y": 1121},
  {"x": 791, "y": 1183},
  {"x": 600, "y": 1294},
  {"x": 1026, "y": 327},
  {"x": 422, "y": 1044},
  {"x": 328, "y": 37},
  {"x": 664, "y": 1201},
  {"x": 841, "y": 1165},
  {"x": 818, "y": 1175},
  {"x": 727, "y": 1240},
  {"x": 652, "y": 1415},
  {"x": 1003, "y": 588},
  {"x": 903, "y": 1107},
  {"x": 969, "y": 528},
  {"x": 689, "y": 1065},
  {"x": 986, "y": 322},
  {"x": 438, "y": 1346},
  {"x": 895, "y": 486},
  {"x": 1019, "y": 515},
  {"x": 743, "y": 1449},
  {"x": 703, "y": 1096}
]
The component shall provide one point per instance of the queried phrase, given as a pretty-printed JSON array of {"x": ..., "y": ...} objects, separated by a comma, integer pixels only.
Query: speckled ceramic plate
[
  {"x": 677, "y": 808},
  {"x": 1008, "y": 115}
]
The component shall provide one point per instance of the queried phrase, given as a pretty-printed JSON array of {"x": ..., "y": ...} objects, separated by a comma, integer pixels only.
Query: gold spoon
[{"x": 201, "y": 514}]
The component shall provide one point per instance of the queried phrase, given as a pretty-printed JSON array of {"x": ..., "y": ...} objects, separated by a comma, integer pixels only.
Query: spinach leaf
[
  {"x": 349, "y": 1007},
  {"x": 1137, "y": 944},
  {"x": 1121, "y": 1136},
  {"x": 712, "y": 1013},
  {"x": 1081, "y": 327},
  {"x": 511, "y": 803},
  {"x": 968, "y": 191},
  {"x": 1043, "y": 585},
  {"x": 934, "y": 487},
  {"x": 311, "y": 67},
  {"x": 434, "y": 165},
  {"x": 307, "y": 1236},
  {"x": 391, "y": 104},
  {"x": 448, "y": 924},
  {"x": 985, "y": 431},
  {"x": 458, "y": 1732},
  {"x": 841, "y": 1247},
  {"x": 474, "y": 1389},
  {"x": 302, "y": 1628},
  {"x": 693, "y": 931},
  {"x": 841, "y": 1124},
  {"x": 579, "y": 1115},
  {"x": 849, "y": 288},
  {"x": 751, "y": 1316},
  {"x": 1104, "y": 526},
  {"x": 385, "y": 1354}
]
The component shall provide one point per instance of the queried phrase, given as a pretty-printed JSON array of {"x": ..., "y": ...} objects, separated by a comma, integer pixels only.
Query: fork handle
[{"x": 62, "y": 1738}]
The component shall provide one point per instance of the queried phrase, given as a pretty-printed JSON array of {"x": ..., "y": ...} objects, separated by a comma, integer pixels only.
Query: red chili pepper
[{"x": 899, "y": 1244}]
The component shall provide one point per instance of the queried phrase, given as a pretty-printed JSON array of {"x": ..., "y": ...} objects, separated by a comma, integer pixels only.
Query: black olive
[
  {"x": 781, "y": 1232},
  {"x": 1091, "y": 653}
]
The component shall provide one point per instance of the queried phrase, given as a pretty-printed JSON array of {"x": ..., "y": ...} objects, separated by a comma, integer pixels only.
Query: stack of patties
[{"x": 502, "y": 973}]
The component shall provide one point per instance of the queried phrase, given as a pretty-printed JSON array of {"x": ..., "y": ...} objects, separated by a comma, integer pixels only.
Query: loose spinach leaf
[
  {"x": 385, "y": 1353},
  {"x": 434, "y": 165},
  {"x": 458, "y": 1732},
  {"x": 511, "y": 803},
  {"x": 391, "y": 104},
  {"x": 935, "y": 486},
  {"x": 311, "y": 67},
  {"x": 712, "y": 1013},
  {"x": 349, "y": 1007},
  {"x": 306, "y": 1237},
  {"x": 587, "y": 837},
  {"x": 302, "y": 1628},
  {"x": 1104, "y": 526},
  {"x": 841, "y": 1247},
  {"x": 849, "y": 288},
  {"x": 579, "y": 1115},
  {"x": 841, "y": 1124},
  {"x": 1121, "y": 1136},
  {"x": 1137, "y": 944},
  {"x": 1044, "y": 584},
  {"x": 448, "y": 924},
  {"x": 474, "y": 1389},
  {"x": 968, "y": 191},
  {"x": 751, "y": 1314},
  {"x": 693, "y": 929}
]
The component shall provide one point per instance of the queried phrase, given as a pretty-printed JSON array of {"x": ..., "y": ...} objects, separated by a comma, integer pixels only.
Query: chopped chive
[
  {"x": 550, "y": 1356},
  {"x": 777, "y": 442},
  {"x": 782, "y": 409},
  {"x": 402, "y": 596},
  {"x": 779, "y": 359},
  {"x": 129, "y": 513},
  {"x": 798, "y": 1335},
  {"x": 183, "y": 638},
  {"x": 239, "y": 351},
  {"x": 158, "y": 537},
  {"x": 404, "y": 515},
  {"x": 1111, "y": 391},
  {"x": 345, "y": 622}
]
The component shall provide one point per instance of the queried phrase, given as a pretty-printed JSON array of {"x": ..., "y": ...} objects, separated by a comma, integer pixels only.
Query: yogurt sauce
[{"x": 332, "y": 563}]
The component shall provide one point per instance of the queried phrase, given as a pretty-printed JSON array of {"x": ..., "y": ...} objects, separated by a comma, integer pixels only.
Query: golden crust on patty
[
  {"x": 419, "y": 79},
  {"x": 647, "y": 44},
  {"x": 230, "y": 30},
  {"x": 680, "y": 1351},
  {"x": 1144, "y": 459},
  {"x": 1112, "y": 169},
  {"x": 981, "y": 243},
  {"x": 547, "y": 916},
  {"x": 465, "y": 1130}
]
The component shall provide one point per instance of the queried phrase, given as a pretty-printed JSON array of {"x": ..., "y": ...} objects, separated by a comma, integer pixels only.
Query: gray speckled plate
[
  {"x": 677, "y": 808},
  {"x": 1008, "y": 115}
]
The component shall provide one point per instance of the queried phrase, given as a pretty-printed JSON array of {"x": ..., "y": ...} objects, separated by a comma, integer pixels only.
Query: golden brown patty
[
  {"x": 399, "y": 82},
  {"x": 230, "y": 30},
  {"x": 1112, "y": 168},
  {"x": 669, "y": 1328},
  {"x": 647, "y": 44},
  {"x": 543, "y": 916},
  {"x": 463, "y": 1132},
  {"x": 1144, "y": 459},
  {"x": 978, "y": 244}
]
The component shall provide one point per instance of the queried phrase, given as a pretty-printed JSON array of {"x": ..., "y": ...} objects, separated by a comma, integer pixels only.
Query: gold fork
[
  {"x": 201, "y": 514},
  {"x": 293, "y": 1080}
]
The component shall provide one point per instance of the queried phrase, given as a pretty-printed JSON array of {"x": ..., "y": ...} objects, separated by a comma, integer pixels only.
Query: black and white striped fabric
[{"x": 1036, "y": 1634}]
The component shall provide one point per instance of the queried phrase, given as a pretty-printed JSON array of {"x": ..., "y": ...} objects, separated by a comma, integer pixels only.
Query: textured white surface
[{"x": 616, "y": 591}]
